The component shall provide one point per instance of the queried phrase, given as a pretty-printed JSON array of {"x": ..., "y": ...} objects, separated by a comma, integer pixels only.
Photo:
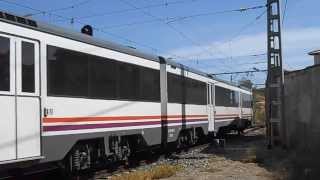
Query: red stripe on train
[{"x": 118, "y": 118}]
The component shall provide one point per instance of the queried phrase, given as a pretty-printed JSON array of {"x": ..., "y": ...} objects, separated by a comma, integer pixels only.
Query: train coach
[{"x": 70, "y": 99}]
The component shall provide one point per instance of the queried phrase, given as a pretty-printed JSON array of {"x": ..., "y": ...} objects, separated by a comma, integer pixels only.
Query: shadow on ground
[{"x": 251, "y": 148}]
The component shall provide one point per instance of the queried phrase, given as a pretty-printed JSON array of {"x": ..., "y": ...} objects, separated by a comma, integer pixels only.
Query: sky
[{"x": 203, "y": 34}]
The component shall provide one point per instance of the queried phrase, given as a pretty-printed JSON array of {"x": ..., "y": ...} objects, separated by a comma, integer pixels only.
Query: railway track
[
  {"x": 184, "y": 154},
  {"x": 145, "y": 163},
  {"x": 142, "y": 160}
]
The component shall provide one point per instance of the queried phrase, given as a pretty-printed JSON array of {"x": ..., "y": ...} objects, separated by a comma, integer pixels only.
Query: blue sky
[{"x": 219, "y": 42}]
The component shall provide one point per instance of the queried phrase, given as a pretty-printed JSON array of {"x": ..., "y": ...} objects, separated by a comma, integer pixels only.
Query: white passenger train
[{"x": 68, "y": 98}]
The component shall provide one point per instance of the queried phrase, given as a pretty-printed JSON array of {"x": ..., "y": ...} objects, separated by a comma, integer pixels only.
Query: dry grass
[
  {"x": 212, "y": 170},
  {"x": 250, "y": 159},
  {"x": 157, "y": 172},
  {"x": 259, "y": 106}
]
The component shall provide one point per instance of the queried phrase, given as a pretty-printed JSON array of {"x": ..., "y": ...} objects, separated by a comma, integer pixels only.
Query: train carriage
[{"x": 70, "y": 98}]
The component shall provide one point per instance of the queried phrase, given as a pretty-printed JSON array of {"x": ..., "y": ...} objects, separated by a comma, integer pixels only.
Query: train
[{"x": 71, "y": 99}]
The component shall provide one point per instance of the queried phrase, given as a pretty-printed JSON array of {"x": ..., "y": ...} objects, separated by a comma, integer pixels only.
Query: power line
[
  {"x": 284, "y": 11},
  {"x": 81, "y": 23},
  {"x": 98, "y": 29},
  {"x": 166, "y": 4},
  {"x": 217, "y": 12},
  {"x": 243, "y": 29},
  {"x": 241, "y": 56},
  {"x": 248, "y": 25},
  {"x": 181, "y": 18},
  {"x": 241, "y": 72},
  {"x": 183, "y": 35},
  {"x": 252, "y": 63},
  {"x": 60, "y": 9},
  {"x": 238, "y": 33}
]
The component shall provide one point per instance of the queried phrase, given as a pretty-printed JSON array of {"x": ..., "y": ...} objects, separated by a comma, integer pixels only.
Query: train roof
[{"x": 78, "y": 36}]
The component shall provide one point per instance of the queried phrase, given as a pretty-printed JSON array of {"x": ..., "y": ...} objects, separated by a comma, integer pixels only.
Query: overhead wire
[
  {"x": 73, "y": 6},
  {"x": 71, "y": 19},
  {"x": 166, "y": 4},
  {"x": 82, "y": 23},
  {"x": 241, "y": 72},
  {"x": 181, "y": 18},
  {"x": 237, "y": 34},
  {"x": 101, "y": 30},
  {"x": 241, "y": 30},
  {"x": 179, "y": 32},
  {"x": 284, "y": 11},
  {"x": 246, "y": 26},
  {"x": 216, "y": 12}
]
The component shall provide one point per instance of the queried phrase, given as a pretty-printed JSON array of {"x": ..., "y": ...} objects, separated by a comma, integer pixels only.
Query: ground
[{"x": 244, "y": 157}]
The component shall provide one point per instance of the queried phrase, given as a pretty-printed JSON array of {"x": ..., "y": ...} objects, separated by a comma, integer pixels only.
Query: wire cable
[
  {"x": 182, "y": 18},
  {"x": 60, "y": 9},
  {"x": 182, "y": 34},
  {"x": 217, "y": 12},
  {"x": 166, "y": 4},
  {"x": 284, "y": 11},
  {"x": 82, "y": 23}
]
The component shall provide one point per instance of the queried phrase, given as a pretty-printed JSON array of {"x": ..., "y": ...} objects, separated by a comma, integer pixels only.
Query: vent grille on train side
[{"x": 18, "y": 19}]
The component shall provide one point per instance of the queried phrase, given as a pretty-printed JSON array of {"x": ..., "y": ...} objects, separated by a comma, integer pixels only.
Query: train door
[
  {"x": 19, "y": 99},
  {"x": 210, "y": 106}
]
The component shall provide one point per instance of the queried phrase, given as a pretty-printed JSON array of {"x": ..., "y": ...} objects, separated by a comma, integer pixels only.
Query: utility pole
[{"x": 275, "y": 79}]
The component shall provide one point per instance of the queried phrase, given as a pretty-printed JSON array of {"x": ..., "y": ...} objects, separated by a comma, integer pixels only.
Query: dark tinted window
[
  {"x": 77, "y": 74},
  {"x": 186, "y": 90},
  {"x": 176, "y": 90},
  {"x": 150, "y": 84},
  {"x": 4, "y": 64},
  {"x": 67, "y": 72},
  {"x": 28, "y": 67},
  {"x": 10, "y": 17},
  {"x": 226, "y": 97},
  {"x": 129, "y": 81},
  {"x": 103, "y": 78},
  {"x": 246, "y": 100}
]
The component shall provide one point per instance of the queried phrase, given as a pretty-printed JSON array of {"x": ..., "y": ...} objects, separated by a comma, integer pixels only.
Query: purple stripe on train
[{"x": 110, "y": 125}]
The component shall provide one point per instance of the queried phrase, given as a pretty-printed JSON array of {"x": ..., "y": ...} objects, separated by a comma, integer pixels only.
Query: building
[
  {"x": 316, "y": 55},
  {"x": 301, "y": 110}
]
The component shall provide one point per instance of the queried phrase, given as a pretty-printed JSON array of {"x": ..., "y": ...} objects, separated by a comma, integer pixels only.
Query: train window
[
  {"x": 27, "y": 59},
  {"x": 226, "y": 97},
  {"x": 10, "y": 17},
  {"x": 176, "y": 92},
  {"x": 186, "y": 90},
  {"x": 77, "y": 74},
  {"x": 4, "y": 64},
  {"x": 102, "y": 78},
  {"x": 195, "y": 92},
  {"x": 21, "y": 20},
  {"x": 129, "y": 81},
  {"x": 32, "y": 23},
  {"x": 67, "y": 72},
  {"x": 150, "y": 84},
  {"x": 246, "y": 100}
]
